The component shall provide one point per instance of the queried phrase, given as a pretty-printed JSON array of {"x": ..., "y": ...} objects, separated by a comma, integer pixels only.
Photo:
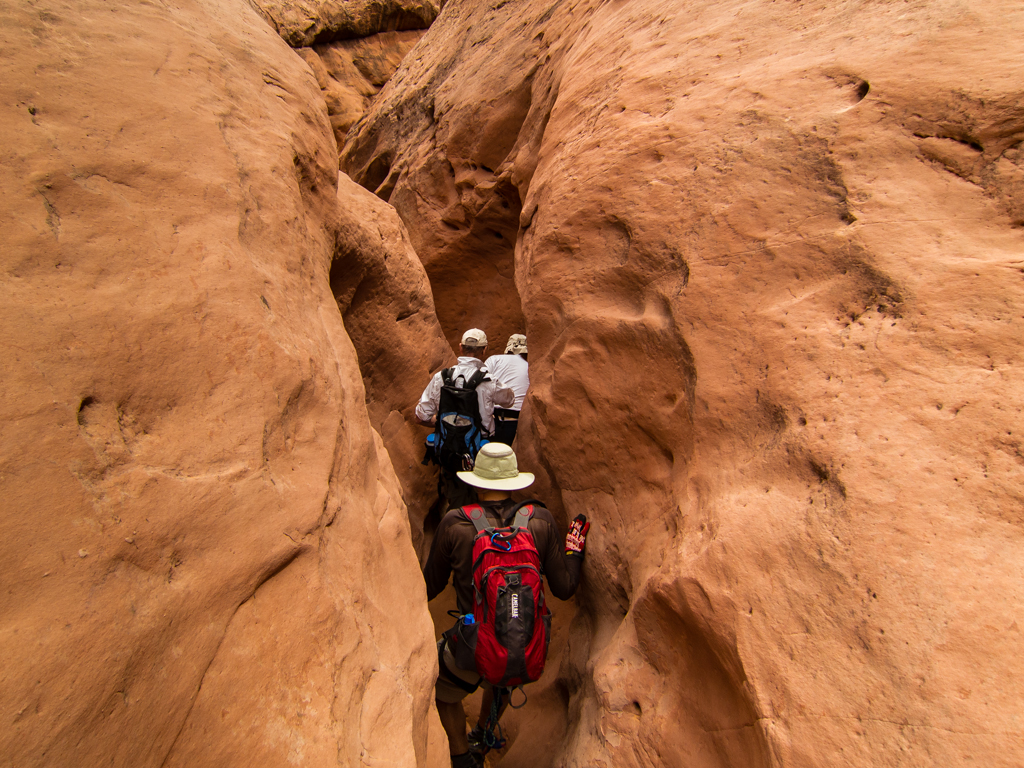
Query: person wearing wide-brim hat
[
  {"x": 497, "y": 469},
  {"x": 495, "y": 475}
]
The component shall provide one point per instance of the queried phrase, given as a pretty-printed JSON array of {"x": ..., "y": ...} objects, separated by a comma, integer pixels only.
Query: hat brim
[{"x": 520, "y": 481}]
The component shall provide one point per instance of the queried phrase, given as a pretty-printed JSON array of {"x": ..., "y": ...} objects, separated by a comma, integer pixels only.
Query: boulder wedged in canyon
[
  {"x": 207, "y": 560},
  {"x": 770, "y": 262},
  {"x": 306, "y": 22}
]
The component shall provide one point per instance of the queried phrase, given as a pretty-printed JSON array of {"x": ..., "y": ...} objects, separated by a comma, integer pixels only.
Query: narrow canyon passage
[{"x": 468, "y": 244}]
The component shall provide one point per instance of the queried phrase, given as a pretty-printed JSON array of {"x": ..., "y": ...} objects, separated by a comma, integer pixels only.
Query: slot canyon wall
[
  {"x": 770, "y": 259},
  {"x": 207, "y": 559}
]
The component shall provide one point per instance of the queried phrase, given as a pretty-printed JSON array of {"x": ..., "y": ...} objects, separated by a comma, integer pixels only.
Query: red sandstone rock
[
  {"x": 352, "y": 46},
  {"x": 385, "y": 300},
  {"x": 206, "y": 558},
  {"x": 351, "y": 72},
  {"x": 769, "y": 259}
]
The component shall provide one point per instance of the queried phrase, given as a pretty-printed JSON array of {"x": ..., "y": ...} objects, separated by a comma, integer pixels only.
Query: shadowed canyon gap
[{"x": 770, "y": 259}]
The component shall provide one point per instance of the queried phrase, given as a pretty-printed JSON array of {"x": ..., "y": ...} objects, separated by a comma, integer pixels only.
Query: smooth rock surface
[
  {"x": 771, "y": 266},
  {"x": 384, "y": 296},
  {"x": 206, "y": 557}
]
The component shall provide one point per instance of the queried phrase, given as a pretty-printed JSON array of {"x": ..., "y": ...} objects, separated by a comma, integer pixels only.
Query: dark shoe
[
  {"x": 482, "y": 741},
  {"x": 466, "y": 760},
  {"x": 477, "y": 745}
]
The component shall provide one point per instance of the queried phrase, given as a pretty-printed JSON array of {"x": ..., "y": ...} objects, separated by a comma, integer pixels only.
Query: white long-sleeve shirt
[
  {"x": 514, "y": 373},
  {"x": 489, "y": 394}
]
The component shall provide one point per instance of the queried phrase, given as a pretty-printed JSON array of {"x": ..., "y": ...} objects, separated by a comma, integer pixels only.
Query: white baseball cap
[{"x": 474, "y": 337}]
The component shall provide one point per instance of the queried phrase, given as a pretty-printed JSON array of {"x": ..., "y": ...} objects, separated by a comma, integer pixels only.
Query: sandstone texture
[
  {"x": 206, "y": 556},
  {"x": 384, "y": 296},
  {"x": 351, "y": 73},
  {"x": 351, "y": 46},
  {"x": 770, "y": 260},
  {"x": 305, "y": 22}
]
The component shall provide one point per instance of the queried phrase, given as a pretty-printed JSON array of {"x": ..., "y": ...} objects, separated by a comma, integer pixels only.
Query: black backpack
[{"x": 459, "y": 433}]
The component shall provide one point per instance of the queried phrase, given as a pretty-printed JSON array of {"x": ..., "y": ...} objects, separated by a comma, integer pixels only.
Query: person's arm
[
  {"x": 562, "y": 570},
  {"x": 502, "y": 396},
  {"x": 438, "y": 569},
  {"x": 426, "y": 408}
]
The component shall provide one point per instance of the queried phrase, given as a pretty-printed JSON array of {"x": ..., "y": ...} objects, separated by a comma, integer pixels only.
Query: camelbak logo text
[{"x": 515, "y": 606}]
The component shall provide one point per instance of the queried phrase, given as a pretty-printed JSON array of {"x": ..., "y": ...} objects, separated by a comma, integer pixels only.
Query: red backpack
[{"x": 509, "y": 638}]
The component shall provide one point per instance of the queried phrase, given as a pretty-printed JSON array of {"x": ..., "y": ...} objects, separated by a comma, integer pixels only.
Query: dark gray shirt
[{"x": 452, "y": 551}]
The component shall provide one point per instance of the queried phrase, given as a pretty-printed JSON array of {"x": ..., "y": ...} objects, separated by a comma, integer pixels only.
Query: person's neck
[{"x": 493, "y": 495}]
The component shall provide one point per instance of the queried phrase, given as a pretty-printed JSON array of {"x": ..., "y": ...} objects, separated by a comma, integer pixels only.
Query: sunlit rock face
[
  {"x": 770, "y": 260},
  {"x": 206, "y": 556}
]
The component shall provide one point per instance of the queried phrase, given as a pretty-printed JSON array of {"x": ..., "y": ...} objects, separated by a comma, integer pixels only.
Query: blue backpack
[{"x": 459, "y": 433}]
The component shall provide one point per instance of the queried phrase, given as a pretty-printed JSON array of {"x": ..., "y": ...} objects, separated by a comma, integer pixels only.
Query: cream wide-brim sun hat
[{"x": 496, "y": 469}]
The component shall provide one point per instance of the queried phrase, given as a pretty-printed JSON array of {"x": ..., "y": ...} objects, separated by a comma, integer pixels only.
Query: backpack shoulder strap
[
  {"x": 523, "y": 512},
  {"x": 475, "y": 514},
  {"x": 446, "y": 376},
  {"x": 477, "y": 379}
]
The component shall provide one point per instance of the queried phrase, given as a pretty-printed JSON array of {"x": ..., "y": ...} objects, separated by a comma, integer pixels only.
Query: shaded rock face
[
  {"x": 459, "y": 141},
  {"x": 207, "y": 559},
  {"x": 769, "y": 259},
  {"x": 352, "y": 46},
  {"x": 306, "y": 22}
]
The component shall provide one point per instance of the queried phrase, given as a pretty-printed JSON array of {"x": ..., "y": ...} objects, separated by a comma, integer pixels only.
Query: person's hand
[{"x": 576, "y": 539}]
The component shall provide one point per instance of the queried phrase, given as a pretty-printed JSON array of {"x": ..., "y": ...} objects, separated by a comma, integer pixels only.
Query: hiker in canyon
[
  {"x": 512, "y": 368},
  {"x": 459, "y": 403},
  {"x": 498, "y": 551}
]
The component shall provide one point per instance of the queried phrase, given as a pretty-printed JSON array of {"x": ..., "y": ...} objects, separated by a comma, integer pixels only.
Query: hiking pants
[{"x": 506, "y": 421}]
